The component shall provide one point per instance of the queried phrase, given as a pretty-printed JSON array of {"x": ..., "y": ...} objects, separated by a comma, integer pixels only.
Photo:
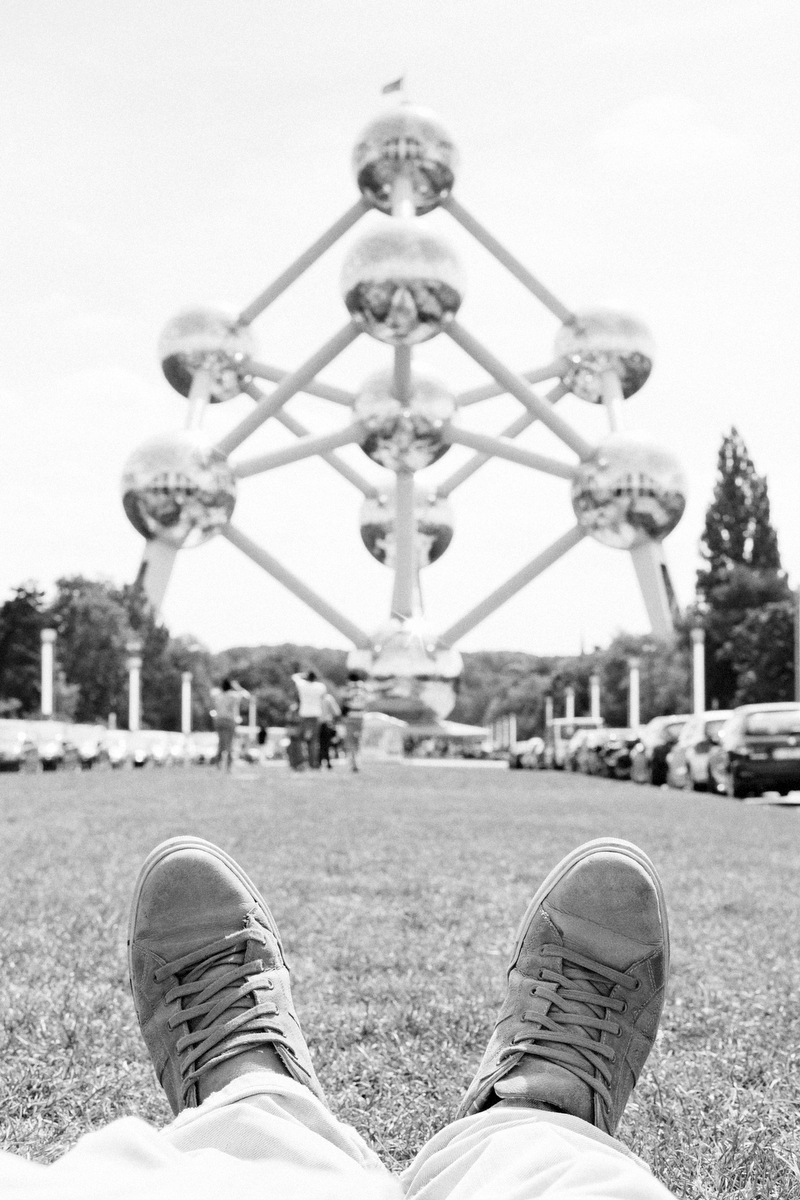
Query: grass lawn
[{"x": 398, "y": 893}]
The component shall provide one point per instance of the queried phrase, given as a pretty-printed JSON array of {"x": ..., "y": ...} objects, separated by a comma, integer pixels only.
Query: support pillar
[
  {"x": 405, "y": 571},
  {"x": 633, "y": 693},
  {"x": 569, "y": 703},
  {"x": 134, "y": 686},
  {"x": 594, "y": 696},
  {"x": 548, "y": 710},
  {"x": 186, "y": 702},
  {"x": 797, "y": 645},
  {"x": 48, "y": 637},
  {"x": 698, "y": 672}
]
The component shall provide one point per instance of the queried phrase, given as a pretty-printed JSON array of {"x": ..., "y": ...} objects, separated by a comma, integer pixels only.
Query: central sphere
[
  {"x": 629, "y": 492},
  {"x": 404, "y": 437},
  {"x": 401, "y": 283},
  {"x": 600, "y": 340},
  {"x": 433, "y": 517},
  {"x": 178, "y": 490},
  {"x": 407, "y": 141},
  {"x": 202, "y": 339},
  {"x": 412, "y": 677}
]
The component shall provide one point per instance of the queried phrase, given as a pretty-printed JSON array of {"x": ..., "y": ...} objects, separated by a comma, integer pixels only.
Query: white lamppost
[
  {"x": 698, "y": 671},
  {"x": 569, "y": 703},
  {"x": 594, "y": 696},
  {"x": 633, "y": 693},
  {"x": 186, "y": 702},
  {"x": 48, "y": 637},
  {"x": 134, "y": 649}
]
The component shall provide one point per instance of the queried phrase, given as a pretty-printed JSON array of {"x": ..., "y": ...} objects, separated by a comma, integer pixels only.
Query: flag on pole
[{"x": 395, "y": 86}]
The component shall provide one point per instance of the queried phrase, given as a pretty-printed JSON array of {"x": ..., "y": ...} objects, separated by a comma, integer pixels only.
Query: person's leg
[
  {"x": 585, "y": 992},
  {"x": 211, "y": 990},
  {"x": 353, "y": 734}
]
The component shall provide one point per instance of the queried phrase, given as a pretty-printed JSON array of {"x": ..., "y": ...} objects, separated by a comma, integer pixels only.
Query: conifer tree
[{"x": 741, "y": 572}]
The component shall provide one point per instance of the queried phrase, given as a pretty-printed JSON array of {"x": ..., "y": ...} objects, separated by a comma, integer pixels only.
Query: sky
[{"x": 162, "y": 155}]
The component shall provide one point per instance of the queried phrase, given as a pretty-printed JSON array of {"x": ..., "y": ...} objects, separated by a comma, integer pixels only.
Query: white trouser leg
[
  {"x": 522, "y": 1154},
  {"x": 263, "y": 1137}
]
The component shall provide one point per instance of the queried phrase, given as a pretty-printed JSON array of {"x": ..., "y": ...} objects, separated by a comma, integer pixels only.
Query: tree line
[{"x": 743, "y": 602}]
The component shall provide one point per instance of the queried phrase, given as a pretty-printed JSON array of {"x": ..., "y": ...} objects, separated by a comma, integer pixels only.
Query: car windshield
[
  {"x": 773, "y": 724},
  {"x": 673, "y": 729},
  {"x": 713, "y": 727}
]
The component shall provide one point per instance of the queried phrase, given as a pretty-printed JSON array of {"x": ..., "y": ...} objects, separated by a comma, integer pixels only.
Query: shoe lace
[
  {"x": 221, "y": 1015},
  {"x": 579, "y": 1013}
]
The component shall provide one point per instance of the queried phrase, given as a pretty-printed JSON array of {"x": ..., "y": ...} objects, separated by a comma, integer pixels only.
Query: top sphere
[
  {"x": 629, "y": 492},
  {"x": 201, "y": 339},
  {"x": 410, "y": 141},
  {"x": 178, "y": 490},
  {"x": 600, "y": 340}
]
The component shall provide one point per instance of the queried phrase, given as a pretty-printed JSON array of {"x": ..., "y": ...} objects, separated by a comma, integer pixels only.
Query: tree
[
  {"x": 741, "y": 572},
  {"x": 93, "y": 631},
  {"x": 21, "y": 622}
]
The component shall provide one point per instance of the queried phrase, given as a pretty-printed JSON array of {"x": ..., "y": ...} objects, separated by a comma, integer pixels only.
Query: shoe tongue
[
  {"x": 597, "y": 942},
  {"x": 535, "y": 1081}
]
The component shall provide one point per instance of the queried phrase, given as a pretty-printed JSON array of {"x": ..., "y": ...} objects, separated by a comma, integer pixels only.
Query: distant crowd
[{"x": 318, "y": 724}]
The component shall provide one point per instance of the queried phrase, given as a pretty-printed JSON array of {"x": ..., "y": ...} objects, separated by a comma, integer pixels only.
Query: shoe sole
[
  {"x": 168, "y": 847},
  {"x": 599, "y": 845}
]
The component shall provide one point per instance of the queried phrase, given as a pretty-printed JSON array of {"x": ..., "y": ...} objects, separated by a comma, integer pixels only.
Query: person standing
[
  {"x": 354, "y": 702},
  {"x": 227, "y": 702},
  {"x": 310, "y": 691},
  {"x": 331, "y": 712}
]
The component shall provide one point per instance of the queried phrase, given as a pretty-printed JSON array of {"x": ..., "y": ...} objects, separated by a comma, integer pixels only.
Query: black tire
[{"x": 735, "y": 788}]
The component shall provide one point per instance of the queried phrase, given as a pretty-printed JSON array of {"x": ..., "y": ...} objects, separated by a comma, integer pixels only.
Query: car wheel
[{"x": 735, "y": 788}]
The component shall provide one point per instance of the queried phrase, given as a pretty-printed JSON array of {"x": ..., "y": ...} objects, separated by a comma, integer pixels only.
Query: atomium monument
[{"x": 403, "y": 285}]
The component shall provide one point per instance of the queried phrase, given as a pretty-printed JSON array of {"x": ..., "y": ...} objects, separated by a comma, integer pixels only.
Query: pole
[
  {"x": 512, "y": 731},
  {"x": 305, "y": 447},
  {"x": 48, "y": 637},
  {"x": 633, "y": 693},
  {"x": 499, "y": 448},
  {"x": 510, "y": 588},
  {"x": 490, "y": 243},
  {"x": 405, "y": 530},
  {"x": 698, "y": 672},
  {"x": 251, "y": 715},
  {"x": 296, "y": 586},
  {"x": 186, "y": 702},
  {"x": 306, "y": 259},
  {"x": 797, "y": 645},
  {"x": 648, "y": 562},
  {"x": 134, "y": 685},
  {"x": 594, "y": 696},
  {"x": 517, "y": 387},
  {"x": 569, "y": 703},
  {"x": 548, "y": 710}
]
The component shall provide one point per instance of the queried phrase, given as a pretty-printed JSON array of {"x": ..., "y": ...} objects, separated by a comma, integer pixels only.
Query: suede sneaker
[
  {"x": 207, "y": 971},
  {"x": 586, "y": 987}
]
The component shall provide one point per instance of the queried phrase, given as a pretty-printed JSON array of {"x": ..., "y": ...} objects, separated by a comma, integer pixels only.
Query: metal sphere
[
  {"x": 412, "y": 677},
  {"x": 600, "y": 340},
  {"x": 178, "y": 490},
  {"x": 201, "y": 339},
  {"x": 434, "y": 527},
  {"x": 402, "y": 283},
  {"x": 406, "y": 141},
  {"x": 404, "y": 437},
  {"x": 629, "y": 492}
]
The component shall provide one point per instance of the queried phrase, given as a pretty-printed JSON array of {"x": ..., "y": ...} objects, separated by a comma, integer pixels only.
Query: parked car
[
  {"x": 157, "y": 743},
  {"x": 117, "y": 748},
  {"x": 610, "y": 752},
  {"x": 204, "y": 748},
  {"x": 557, "y": 736},
  {"x": 17, "y": 748},
  {"x": 649, "y": 755},
  {"x": 758, "y": 751},
  {"x": 687, "y": 761},
  {"x": 526, "y": 755},
  {"x": 55, "y": 746},
  {"x": 574, "y": 753},
  {"x": 139, "y": 749},
  {"x": 90, "y": 742}
]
